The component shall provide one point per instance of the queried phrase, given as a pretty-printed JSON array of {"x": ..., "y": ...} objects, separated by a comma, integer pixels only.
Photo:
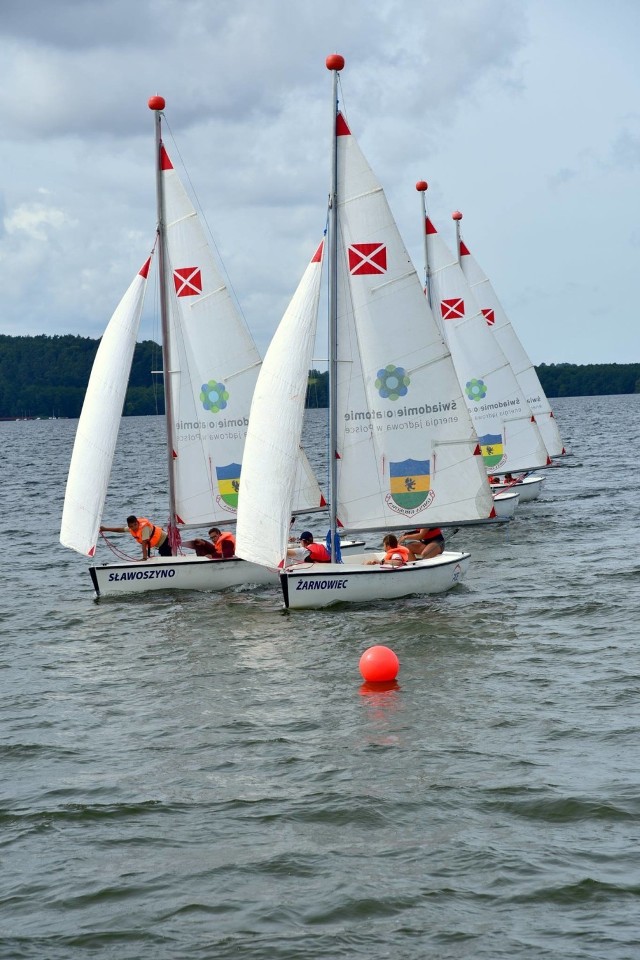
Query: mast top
[
  {"x": 456, "y": 215},
  {"x": 156, "y": 102},
  {"x": 335, "y": 61},
  {"x": 421, "y": 186}
]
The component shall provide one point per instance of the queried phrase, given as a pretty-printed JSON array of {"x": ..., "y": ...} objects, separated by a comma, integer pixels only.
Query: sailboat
[
  {"x": 210, "y": 367},
  {"x": 507, "y": 429},
  {"x": 524, "y": 371},
  {"x": 403, "y": 451}
]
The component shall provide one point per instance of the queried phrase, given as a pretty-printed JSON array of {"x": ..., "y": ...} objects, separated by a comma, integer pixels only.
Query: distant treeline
[
  {"x": 589, "y": 380},
  {"x": 47, "y": 377}
]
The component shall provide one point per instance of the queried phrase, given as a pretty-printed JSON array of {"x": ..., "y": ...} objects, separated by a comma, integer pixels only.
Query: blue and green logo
[
  {"x": 214, "y": 396},
  {"x": 476, "y": 390},
  {"x": 392, "y": 382}
]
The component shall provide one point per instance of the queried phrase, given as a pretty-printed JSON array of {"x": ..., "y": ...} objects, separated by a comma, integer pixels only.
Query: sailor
[
  {"x": 223, "y": 541},
  {"x": 424, "y": 543},
  {"x": 396, "y": 555},
  {"x": 311, "y": 552},
  {"x": 148, "y": 535},
  {"x": 203, "y": 548}
]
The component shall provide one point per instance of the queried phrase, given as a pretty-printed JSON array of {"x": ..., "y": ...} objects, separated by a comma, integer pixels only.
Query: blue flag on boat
[{"x": 328, "y": 546}]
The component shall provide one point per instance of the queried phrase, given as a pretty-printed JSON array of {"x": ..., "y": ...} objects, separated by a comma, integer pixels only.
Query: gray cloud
[{"x": 473, "y": 96}]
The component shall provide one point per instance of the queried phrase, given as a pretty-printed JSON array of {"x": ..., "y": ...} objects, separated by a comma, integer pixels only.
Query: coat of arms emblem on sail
[
  {"x": 492, "y": 448},
  {"x": 410, "y": 485},
  {"x": 229, "y": 484}
]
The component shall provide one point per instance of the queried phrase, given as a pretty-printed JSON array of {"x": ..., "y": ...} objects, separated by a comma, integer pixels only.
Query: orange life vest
[
  {"x": 229, "y": 537},
  {"x": 318, "y": 553},
  {"x": 394, "y": 552},
  {"x": 156, "y": 532}
]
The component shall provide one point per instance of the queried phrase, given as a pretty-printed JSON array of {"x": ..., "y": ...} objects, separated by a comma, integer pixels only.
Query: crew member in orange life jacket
[
  {"x": 146, "y": 533},
  {"x": 396, "y": 555},
  {"x": 424, "y": 543},
  {"x": 312, "y": 552},
  {"x": 224, "y": 542}
]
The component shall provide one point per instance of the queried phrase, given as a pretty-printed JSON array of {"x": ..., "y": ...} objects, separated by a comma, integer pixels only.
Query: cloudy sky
[{"x": 523, "y": 114}]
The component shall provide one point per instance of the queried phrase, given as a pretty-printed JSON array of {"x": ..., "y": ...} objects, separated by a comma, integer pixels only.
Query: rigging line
[
  {"x": 341, "y": 104},
  {"x": 116, "y": 550}
]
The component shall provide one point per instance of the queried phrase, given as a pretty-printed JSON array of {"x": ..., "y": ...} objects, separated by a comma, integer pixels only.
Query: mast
[
  {"x": 422, "y": 186},
  {"x": 335, "y": 63},
  {"x": 457, "y": 217},
  {"x": 157, "y": 104}
]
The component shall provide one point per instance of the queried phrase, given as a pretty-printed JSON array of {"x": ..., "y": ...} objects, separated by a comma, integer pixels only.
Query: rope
[
  {"x": 116, "y": 550},
  {"x": 175, "y": 540}
]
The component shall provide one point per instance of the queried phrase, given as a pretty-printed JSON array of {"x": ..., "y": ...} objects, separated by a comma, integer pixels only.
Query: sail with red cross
[{"x": 513, "y": 349}]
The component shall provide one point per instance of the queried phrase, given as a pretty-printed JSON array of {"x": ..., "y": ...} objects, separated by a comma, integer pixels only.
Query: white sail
[
  {"x": 99, "y": 422},
  {"x": 508, "y": 434},
  {"x": 272, "y": 446},
  {"x": 307, "y": 495},
  {"x": 525, "y": 373},
  {"x": 408, "y": 452},
  {"x": 213, "y": 364}
]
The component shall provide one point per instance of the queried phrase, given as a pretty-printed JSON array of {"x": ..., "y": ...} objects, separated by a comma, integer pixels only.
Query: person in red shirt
[
  {"x": 315, "y": 552},
  {"x": 424, "y": 543},
  {"x": 203, "y": 548}
]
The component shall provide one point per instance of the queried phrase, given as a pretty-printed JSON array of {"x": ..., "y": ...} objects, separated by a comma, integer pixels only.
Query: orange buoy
[{"x": 379, "y": 665}]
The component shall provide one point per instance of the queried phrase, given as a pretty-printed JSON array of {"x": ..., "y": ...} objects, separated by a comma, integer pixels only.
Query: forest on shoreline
[{"x": 46, "y": 376}]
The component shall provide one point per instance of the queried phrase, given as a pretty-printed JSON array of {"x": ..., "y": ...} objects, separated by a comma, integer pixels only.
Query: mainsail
[
  {"x": 407, "y": 451},
  {"x": 213, "y": 364}
]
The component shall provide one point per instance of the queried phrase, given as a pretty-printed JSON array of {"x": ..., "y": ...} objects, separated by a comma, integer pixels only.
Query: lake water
[{"x": 204, "y": 776}]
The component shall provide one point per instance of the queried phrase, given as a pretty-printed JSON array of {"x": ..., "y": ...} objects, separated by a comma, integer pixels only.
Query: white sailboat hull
[
  {"x": 527, "y": 489},
  {"x": 505, "y": 504},
  {"x": 185, "y": 572},
  {"x": 177, "y": 573},
  {"x": 317, "y": 585}
]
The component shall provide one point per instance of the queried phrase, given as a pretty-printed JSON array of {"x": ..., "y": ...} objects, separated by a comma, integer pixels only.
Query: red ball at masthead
[
  {"x": 156, "y": 103},
  {"x": 334, "y": 61},
  {"x": 422, "y": 185},
  {"x": 456, "y": 215}
]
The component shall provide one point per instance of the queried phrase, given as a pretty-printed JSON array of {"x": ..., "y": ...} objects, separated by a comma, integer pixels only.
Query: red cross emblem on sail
[
  {"x": 188, "y": 281},
  {"x": 489, "y": 315},
  {"x": 452, "y": 309},
  {"x": 367, "y": 258}
]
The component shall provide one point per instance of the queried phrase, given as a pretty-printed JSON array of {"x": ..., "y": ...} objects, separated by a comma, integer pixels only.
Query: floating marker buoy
[{"x": 379, "y": 665}]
